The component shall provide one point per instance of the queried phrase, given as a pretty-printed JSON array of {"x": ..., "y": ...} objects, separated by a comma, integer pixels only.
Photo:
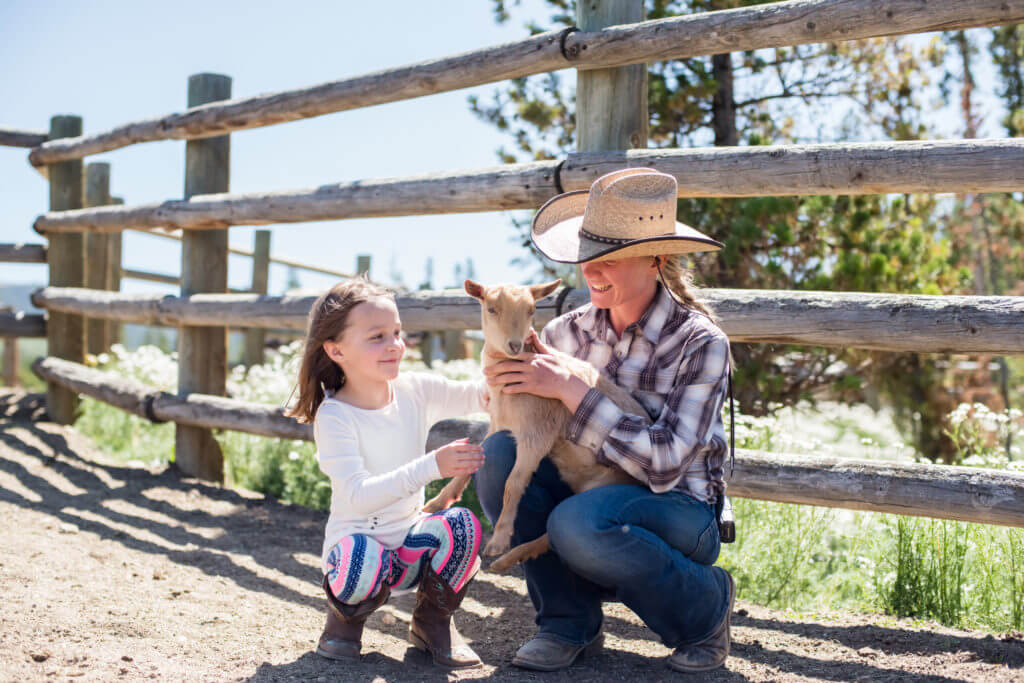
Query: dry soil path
[{"x": 118, "y": 573}]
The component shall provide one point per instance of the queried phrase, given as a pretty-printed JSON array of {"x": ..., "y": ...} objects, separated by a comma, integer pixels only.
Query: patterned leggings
[{"x": 358, "y": 566}]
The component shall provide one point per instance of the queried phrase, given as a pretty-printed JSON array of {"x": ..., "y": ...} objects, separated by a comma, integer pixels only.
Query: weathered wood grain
[
  {"x": 196, "y": 410},
  {"x": 995, "y": 165},
  {"x": 21, "y": 324},
  {"x": 22, "y": 253},
  {"x": 492, "y": 189},
  {"x": 747, "y": 28},
  {"x": 882, "y": 322},
  {"x": 15, "y": 137},
  {"x": 780, "y": 24},
  {"x": 611, "y": 103},
  {"x": 992, "y": 165},
  {"x": 203, "y": 350},
  {"x": 65, "y": 257}
]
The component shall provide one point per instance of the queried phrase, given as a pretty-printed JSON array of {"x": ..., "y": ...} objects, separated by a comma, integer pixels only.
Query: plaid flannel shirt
[{"x": 675, "y": 362}]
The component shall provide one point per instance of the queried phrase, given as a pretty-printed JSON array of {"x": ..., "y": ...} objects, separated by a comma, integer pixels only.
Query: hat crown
[
  {"x": 629, "y": 212},
  {"x": 633, "y": 203}
]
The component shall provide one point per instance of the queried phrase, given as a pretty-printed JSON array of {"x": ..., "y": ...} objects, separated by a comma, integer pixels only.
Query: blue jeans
[{"x": 651, "y": 551}]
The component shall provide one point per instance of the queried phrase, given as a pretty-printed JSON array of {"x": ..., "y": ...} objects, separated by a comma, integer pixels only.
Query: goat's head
[{"x": 507, "y": 313}]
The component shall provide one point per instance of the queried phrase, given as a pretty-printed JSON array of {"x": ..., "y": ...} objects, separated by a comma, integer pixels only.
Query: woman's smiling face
[
  {"x": 619, "y": 282},
  {"x": 371, "y": 345}
]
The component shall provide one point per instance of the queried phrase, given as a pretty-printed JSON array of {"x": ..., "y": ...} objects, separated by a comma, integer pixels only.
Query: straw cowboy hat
[{"x": 630, "y": 212}]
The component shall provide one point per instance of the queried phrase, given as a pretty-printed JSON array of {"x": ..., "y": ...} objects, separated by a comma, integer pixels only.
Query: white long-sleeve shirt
[{"x": 375, "y": 458}]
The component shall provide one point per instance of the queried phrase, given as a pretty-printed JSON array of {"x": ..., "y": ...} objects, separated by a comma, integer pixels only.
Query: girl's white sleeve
[
  {"x": 444, "y": 398},
  {"x": 358, "y": 490}
]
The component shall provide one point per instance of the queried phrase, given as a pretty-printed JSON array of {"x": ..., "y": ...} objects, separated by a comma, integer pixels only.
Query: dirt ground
[{"x": 119, "y": 573}]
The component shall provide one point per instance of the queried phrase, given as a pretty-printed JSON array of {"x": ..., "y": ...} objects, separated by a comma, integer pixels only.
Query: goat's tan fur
[{"x": 537, "y": 423}]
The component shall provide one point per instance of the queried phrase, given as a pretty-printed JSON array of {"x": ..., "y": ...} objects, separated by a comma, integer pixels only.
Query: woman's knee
[{"x": 574, "y": 529}]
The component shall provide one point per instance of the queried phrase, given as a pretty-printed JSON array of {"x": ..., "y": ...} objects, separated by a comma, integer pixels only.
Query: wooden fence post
[
  {"x": 256, "y": 337},
  {"x": 203, "y": 352},
  {"x": 115, "y": 272},
  {"x": 611, "y": 104},
  {"x": 10, "y": 378},
  {"x": 97, "y": 254},
  {"x": 65, "y": 259}
]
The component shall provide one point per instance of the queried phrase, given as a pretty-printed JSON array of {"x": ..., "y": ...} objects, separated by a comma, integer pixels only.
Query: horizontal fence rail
[
  {"x": 841, "y": 168},
  {"x": 198, "y": 410},
  {"x": 749, "y": 28},
  {"x": 21, "y": 324},
  {"x": 961, "y": 493},
  {"x": 942, "y": 491},
  {"x": 515, "y": 186},
  {"x": 15, "y": 137},
  {"x": 22, "y": 253},
  {"x": 883, "y": 322}
]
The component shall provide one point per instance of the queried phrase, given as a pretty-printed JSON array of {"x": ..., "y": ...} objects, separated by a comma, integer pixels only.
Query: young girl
[{"x": 370, "y": 427}]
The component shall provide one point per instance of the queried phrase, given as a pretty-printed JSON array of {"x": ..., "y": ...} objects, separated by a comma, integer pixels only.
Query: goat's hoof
[
  {"x": 501, "y": 564},
  {"x": 495, "y": 547}
]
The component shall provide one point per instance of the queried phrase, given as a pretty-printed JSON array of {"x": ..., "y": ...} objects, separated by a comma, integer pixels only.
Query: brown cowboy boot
[
  {"x": 432, "y": 629},
  {"x": 343, "y": 632}
]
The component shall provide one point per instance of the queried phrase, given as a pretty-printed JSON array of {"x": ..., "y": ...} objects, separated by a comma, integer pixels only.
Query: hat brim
[{"x": 556, "y": 234}]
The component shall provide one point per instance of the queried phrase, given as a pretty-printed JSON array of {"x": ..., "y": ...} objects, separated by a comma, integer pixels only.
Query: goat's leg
[
  {"x": 449, "y": 495},
  {"x": 521, "y": 553},
  {"x": 529, "y": 453}
]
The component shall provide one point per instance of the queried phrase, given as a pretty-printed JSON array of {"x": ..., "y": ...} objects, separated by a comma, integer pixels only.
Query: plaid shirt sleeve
[{"x": 660, "y": 454}]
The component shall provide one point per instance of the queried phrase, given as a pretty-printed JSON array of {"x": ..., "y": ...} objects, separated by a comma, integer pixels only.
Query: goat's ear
[
  {"x": 541, "y": 291},
  {"x": 474, "y": 289}
]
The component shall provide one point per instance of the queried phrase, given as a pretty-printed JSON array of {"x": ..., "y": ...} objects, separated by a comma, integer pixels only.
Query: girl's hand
[
  {"x": 459, "y": 458},
  {"x": 540, "y": 373}
]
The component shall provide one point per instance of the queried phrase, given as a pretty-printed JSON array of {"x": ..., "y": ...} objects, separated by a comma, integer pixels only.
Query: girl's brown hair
[{"x": 327, "y": 320}]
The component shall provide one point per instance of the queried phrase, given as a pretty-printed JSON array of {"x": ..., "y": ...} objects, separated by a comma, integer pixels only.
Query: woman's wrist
[{"x": 573, "y": 393}]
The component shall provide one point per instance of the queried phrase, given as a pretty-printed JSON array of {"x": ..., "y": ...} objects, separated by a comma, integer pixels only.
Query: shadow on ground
[{"x": 45, "y": 474}]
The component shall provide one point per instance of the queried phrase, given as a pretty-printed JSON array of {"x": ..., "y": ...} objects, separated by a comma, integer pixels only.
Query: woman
[{"x": 650, "y": 545}]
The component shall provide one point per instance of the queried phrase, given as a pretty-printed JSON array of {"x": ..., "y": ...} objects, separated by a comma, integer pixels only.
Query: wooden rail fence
[
  {"x": 609, "y": 48},
  {"x": 963, "y": 493},
  {"x": 750, "y": 28},
  {"x": 883, "y": 322},
  {"x": 846, "y": 168}
]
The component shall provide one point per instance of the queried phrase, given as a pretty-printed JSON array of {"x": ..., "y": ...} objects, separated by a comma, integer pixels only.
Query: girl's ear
[{"x": 332, "y": 350}]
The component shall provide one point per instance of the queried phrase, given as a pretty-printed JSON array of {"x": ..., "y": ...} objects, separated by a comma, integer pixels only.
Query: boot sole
[
  {"x": 421, "y": 645},
  {"x": 592, "y": 649},
  {"x": 337, "y": 657}
]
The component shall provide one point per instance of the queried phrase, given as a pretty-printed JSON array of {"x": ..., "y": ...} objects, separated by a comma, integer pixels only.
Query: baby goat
[{"x": 537, "y": 423}]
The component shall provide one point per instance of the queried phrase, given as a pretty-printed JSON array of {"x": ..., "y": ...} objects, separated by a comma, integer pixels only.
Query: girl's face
[
  {"x": 620, "y": 282},
  {"x": 371, "y": 346}
]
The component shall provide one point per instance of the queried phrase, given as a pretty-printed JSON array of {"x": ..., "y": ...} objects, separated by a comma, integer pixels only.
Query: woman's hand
[
  {"x": 540, "y": 373},
  {"x": 459, "y": 458}
]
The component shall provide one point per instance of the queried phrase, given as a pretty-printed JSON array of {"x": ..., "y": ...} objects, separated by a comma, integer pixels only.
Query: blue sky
[{"x": 116, "y": 61}]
